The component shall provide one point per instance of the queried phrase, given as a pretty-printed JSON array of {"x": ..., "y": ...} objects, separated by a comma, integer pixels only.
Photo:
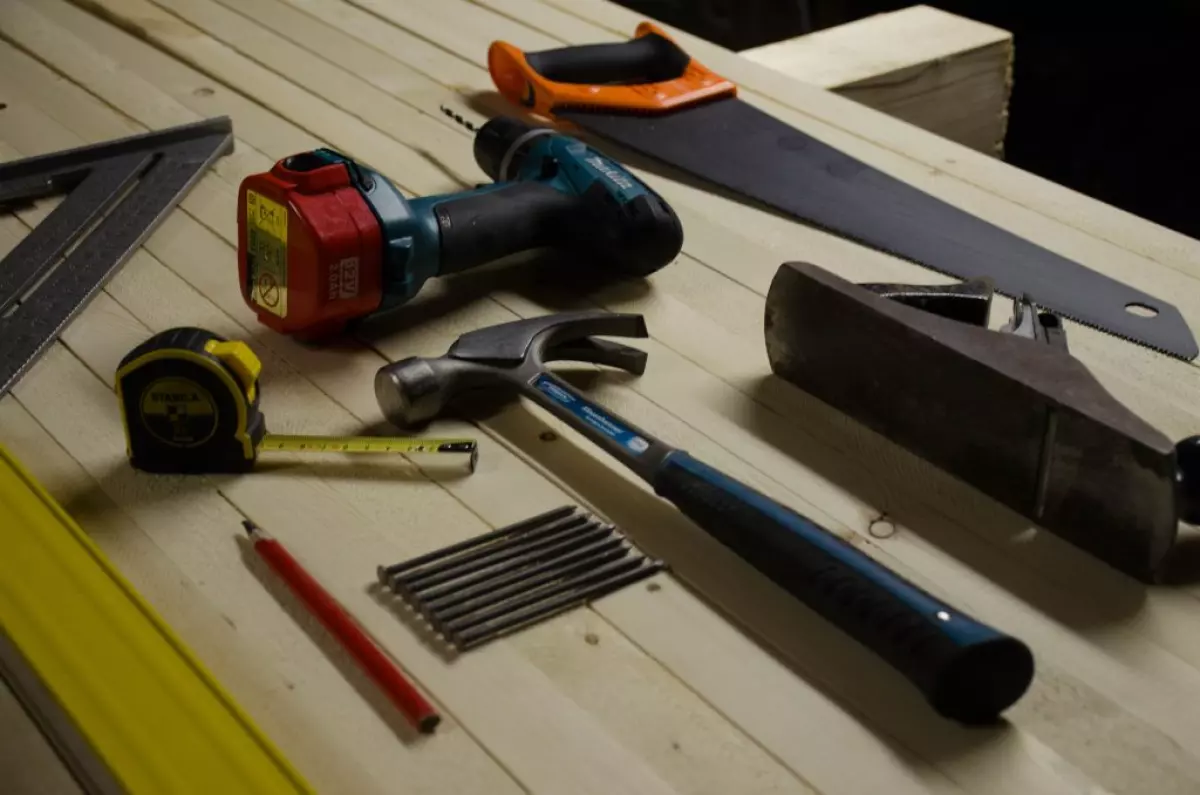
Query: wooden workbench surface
[{"x": 704, "y": 680}]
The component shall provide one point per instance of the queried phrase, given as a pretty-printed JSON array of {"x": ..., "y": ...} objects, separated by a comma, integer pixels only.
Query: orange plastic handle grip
[{"x": 648, "y": 74}]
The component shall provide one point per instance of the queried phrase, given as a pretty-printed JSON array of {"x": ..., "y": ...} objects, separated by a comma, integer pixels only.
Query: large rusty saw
[{"x": 1010, "y": 412}]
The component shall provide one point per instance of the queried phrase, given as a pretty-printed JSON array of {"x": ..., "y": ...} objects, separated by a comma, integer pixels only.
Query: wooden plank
[
  {"x": 933, "y": 176},
  {"x": 202, "y": 258},
  {"x": 1121, "y": 686},
  {"x": 200, "y": 255},
  {"x": 144, "y": 294},
  {"x": 636, "y": 516},
  {"x": 695, "y": 731},
  {"x": 942, "y": 72},
  {"x": 340, "y": 723},
  {"x": 296, "y": 690},
  {"x": 722, "y": 209},
  {"x": 285, "y": 97},
  {"x": 420, "y": 54},
  {"x": 1127, "y": 363},
  {"x": 169, "y": 306},
  {"x": 723, "y": 219},
  {"x": 1172, "y": 419},
  {"x": 867, "y": 48}
]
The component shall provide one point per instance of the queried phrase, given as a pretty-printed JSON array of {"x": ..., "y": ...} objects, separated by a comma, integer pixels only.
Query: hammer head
[{"x": 504, "y": 359}]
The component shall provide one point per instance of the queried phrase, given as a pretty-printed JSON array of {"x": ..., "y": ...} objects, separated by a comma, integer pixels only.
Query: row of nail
[{"x": 494, "y": 584}]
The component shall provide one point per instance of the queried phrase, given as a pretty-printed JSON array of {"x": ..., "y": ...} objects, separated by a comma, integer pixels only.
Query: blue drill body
[{"x": 551, "y": 191}]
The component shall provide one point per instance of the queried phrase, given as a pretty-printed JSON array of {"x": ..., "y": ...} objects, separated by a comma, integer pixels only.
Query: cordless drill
[{"x": 324, "y": 240}]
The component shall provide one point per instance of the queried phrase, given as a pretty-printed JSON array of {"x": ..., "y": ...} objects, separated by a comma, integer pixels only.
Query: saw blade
[{"x": 740, "y": 148}]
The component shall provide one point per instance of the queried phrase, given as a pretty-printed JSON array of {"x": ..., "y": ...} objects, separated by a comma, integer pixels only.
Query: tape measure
[{"x": 189, "y": 403}]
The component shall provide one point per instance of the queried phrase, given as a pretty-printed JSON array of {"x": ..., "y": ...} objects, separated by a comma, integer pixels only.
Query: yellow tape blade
[{"x": 363, "y": 444}]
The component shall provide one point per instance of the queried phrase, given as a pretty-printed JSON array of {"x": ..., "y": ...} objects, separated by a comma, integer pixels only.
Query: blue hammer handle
[{"x": 967, "y": 670}]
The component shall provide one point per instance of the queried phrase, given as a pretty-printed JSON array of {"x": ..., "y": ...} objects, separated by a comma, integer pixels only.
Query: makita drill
[{"x": 323, "y": 240}]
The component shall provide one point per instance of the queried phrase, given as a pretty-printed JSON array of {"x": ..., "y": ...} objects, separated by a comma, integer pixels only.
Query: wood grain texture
[
  {"x": 708, "y": 679},
  {"x": 944, "y": 73}
]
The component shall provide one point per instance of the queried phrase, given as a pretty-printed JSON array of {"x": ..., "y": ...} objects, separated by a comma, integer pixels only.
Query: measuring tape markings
[
  {"x": 363, "y": 444},
  {"x": 291, "y": 443},
  {"x": 175, "y": 391}
]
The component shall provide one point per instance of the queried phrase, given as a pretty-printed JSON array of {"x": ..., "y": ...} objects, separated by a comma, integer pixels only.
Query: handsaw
[
  {"x": 1010, "y": 412},
  {"x": 650, "y": 96}
]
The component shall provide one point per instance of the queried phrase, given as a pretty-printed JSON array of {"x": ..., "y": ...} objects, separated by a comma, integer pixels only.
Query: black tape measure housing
[{"x": 185, "y": 410}]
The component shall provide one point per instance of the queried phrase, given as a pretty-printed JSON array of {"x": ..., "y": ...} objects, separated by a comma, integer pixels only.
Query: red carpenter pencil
[{"x": 373, "y": 661}]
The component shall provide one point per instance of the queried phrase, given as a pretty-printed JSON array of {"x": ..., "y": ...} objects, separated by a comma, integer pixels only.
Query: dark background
[{"x": 1104, "y": 94}]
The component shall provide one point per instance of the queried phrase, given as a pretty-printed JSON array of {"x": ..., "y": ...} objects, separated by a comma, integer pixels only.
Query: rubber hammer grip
[{"x": 967, "y": 670}]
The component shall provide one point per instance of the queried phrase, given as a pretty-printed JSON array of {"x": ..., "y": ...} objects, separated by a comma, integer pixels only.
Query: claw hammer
[{"x": 967, "y": 670}]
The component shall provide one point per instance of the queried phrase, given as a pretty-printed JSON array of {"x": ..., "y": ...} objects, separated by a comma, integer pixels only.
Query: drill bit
[{"x": 460, "y": 119}]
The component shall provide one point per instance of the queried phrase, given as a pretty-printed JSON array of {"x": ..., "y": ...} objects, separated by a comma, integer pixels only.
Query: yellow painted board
[{"x": 155, "y": 719}]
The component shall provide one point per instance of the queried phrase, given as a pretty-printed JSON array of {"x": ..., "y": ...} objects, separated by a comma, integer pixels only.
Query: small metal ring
[{"x": 506, "y": 161}]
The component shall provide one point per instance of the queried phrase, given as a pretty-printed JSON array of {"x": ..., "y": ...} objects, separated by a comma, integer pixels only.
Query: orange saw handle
[{"x": 650, "y": 73}]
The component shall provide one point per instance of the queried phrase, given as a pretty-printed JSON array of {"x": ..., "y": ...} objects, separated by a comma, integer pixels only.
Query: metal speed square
[{"x": 117, "y": 192}]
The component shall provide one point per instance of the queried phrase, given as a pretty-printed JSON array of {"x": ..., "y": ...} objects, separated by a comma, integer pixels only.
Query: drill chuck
[{"x": 502, "y": 144}]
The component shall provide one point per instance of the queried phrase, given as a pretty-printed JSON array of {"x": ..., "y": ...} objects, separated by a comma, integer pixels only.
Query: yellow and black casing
[{"x": 189, "y": 403}]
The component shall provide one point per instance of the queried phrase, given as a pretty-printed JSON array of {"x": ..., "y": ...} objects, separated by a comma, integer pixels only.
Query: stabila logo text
[{"x": 175, "y": 397}]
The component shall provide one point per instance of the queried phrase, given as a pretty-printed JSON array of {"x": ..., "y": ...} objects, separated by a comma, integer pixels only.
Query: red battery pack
[{"x": 309, "y": 247}]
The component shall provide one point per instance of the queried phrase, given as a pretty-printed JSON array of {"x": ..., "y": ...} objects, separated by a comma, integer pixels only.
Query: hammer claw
[
  {"x": 522, "y": 340},
  {"x": 612, "y": 354}
]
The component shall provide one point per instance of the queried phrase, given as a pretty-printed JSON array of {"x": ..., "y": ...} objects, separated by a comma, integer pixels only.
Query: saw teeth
[
  {"x": 1130, "y": 340},
  {"x": 1058, "y": 312}
]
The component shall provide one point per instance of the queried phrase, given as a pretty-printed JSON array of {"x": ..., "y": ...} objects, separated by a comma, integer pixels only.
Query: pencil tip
[{"x": 250, "y": 526}]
